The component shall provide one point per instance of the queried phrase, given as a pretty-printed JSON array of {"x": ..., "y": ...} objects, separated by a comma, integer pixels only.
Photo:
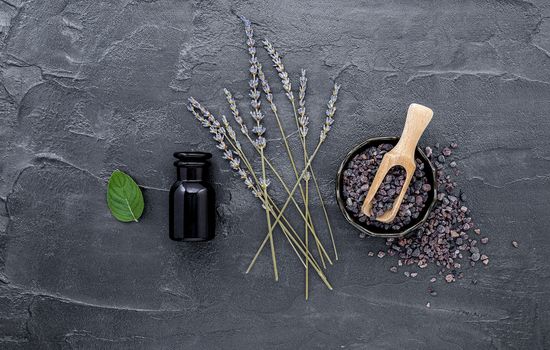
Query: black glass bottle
[{"x": 192, "y": 199}]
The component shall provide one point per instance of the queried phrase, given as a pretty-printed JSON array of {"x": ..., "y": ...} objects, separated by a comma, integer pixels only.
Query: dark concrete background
[{"x": 91, "y": 86}]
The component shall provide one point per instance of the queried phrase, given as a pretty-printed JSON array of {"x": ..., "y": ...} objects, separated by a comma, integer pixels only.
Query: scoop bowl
[{"x": 372, "y": 230}]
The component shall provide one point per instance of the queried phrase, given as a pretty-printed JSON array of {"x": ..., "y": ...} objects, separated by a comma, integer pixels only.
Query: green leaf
[{"x": 124, "y": 197}]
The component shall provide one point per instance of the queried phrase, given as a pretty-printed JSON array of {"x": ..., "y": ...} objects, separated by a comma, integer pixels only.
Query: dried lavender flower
[
  {"x": 264, "y": 183},
  {"x": 235, "y": 111},
  {"x": 230, "y": 132},
  {"x": 279, "y": 66},
  {"x": 267, "y": 89},
  {"x": 254, "y": 93},
  {"x": 259, "y": 130},
  {"x": 331, "y": 109},
  {"x": 260, "y": 142},
  {"x": 303, "y": 119}
]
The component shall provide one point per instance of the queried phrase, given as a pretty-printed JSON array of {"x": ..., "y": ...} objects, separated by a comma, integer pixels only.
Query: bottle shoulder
[{"x": 190, "y": 186}]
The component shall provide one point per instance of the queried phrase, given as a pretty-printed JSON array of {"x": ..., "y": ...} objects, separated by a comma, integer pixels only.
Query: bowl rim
[{"x": 357, "y": 225}]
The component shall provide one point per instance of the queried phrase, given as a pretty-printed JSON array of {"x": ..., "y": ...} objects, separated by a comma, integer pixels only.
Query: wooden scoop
[{"x": 418, "y": 118}]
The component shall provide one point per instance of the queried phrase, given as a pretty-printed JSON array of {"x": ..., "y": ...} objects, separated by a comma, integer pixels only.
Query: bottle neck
[{"x": 191, "y": 173}]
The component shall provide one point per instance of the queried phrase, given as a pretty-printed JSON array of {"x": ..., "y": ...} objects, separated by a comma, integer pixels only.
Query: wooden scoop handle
[{"x": 418, "y": 118}]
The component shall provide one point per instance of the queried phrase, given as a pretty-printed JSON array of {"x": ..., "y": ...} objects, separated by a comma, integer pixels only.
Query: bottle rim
[
  {"x": 190, "y": 164},
  {"x": 193, "y": 156}
]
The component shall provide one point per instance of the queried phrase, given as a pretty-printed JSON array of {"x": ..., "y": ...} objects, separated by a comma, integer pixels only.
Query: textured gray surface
[{"x": 89, "y": 86}]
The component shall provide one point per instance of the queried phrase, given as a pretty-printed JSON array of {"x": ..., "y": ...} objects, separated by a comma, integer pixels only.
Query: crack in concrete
[
  {"x": 506, "y": 184},
  {"x": 44, "y": 295},
  {"x": 154, "y": 188},
  {"x": 459, "y": 73},
  {"x": 54, "y": 158},
  {"x": 28, "y": 321},
  {"x": 88, "y": 334}
]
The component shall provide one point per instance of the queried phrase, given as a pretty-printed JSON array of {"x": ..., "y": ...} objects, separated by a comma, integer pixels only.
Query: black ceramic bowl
[{"x": 377, "y": 231}]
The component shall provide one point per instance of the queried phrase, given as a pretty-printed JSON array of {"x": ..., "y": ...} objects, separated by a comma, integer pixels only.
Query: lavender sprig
[
  {"x": 231, "y": 133},
  {"x": 303, "y": 122},
  {"x": 331, "y": 109},
  {"x": 254, "y": 94},
  {"x": 253, "y": 83},
  {"x": 267, "y": 89},
  {"x": 280, "y": 67},
  {"x": 235, "y": 111},
  {"x": 303, "y": 119},
  {"x": 259, "y": 129}
]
